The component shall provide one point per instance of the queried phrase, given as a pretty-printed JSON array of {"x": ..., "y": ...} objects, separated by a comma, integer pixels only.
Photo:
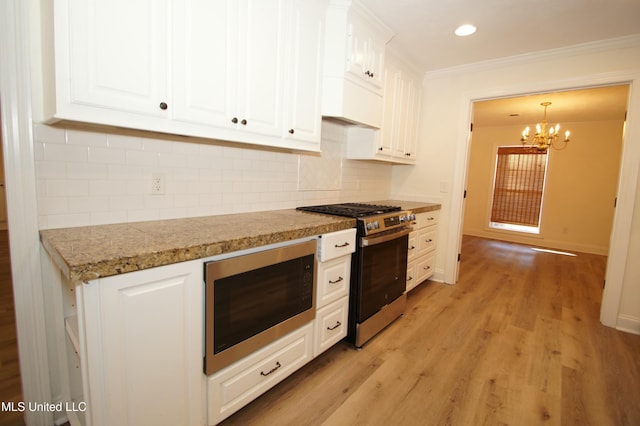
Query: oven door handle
[{"x": 373, "y": 240}]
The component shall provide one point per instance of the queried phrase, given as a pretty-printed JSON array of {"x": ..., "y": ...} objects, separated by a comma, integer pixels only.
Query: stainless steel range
[{"x": 378, "y": 267}]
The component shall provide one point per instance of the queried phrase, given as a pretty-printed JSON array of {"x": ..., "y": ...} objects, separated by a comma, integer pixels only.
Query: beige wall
[{"x": 580, "y": 188}]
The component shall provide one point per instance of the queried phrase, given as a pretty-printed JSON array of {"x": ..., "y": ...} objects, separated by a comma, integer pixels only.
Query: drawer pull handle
[
  {"x": 338, "y": 324},
  {"x": 431, "y": 218},
  {"x": 427, "y": 268},
  {"x": 336, "y": 281},
  {"x": 429, "y": 240},
  {"x": 412, "y": 247},
  {"x": 409, "y": 279},
  {"x": 278, "y": 365},
  {"x": 341, "y": 245}
]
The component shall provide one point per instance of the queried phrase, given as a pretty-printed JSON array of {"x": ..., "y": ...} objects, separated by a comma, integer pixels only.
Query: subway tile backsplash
[{"x": 93, "y": 178}]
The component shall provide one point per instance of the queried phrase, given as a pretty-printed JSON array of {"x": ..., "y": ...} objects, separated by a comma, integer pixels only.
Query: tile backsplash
[{"x": 93, "y": 178}]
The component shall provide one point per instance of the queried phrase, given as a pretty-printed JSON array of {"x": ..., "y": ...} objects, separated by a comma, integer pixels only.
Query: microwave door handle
[{"x": 373, "y": 240}]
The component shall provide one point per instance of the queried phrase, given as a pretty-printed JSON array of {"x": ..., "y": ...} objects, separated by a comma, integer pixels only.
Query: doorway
[{"x": 580, "y": 190}]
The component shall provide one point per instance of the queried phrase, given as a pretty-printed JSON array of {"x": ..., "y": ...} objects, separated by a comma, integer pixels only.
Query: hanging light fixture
[{"x": 544, "y": 137}]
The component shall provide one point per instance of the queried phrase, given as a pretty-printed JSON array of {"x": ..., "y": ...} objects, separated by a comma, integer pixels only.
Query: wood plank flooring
[
  {"x": 10, "y": 387},
  {"x": 517, "y": 342}
]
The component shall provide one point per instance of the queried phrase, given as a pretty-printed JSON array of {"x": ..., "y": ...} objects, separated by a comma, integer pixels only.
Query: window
[{"x": 518, "y": 188}]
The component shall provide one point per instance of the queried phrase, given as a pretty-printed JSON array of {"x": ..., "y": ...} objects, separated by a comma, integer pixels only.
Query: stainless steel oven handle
[{"x": 373, "y": 240}]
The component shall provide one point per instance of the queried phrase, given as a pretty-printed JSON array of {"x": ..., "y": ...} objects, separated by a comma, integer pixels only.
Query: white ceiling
[
  {"x": 424, "y": 34},
  {"x": 424, "y": 28}
]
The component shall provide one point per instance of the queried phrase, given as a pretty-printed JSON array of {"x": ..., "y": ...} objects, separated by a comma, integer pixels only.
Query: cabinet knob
[
  {"x": 243, "y": 122},
  {"x": 234, "y": 120},
  {"x": 292, "y": 131},
  {"x": 163, "y": 106},
  {"x": 408, "y": 154},
  {"x": 380, "y": 149}
]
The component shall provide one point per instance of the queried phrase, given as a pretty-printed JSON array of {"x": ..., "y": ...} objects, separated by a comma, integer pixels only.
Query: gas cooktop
[{"x": 351, "y": 209}]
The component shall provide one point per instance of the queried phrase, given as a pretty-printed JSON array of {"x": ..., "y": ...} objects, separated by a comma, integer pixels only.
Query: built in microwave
[{"x": 254, "y": 299}]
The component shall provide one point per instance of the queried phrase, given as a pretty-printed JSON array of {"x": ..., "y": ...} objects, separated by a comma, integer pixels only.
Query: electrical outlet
[{"x": 157, "y": 184}]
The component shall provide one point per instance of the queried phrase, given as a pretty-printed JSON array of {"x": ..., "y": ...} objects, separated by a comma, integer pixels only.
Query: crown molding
[{"x": 561, "y": 52}]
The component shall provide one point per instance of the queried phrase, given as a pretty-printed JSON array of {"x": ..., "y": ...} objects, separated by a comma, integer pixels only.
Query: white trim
[
  {"x": 561, "y": 52},
  {"x": 21, "y": 206},
  {"x": 621, "y": 231},
  {"x": 628, "y": 324}
]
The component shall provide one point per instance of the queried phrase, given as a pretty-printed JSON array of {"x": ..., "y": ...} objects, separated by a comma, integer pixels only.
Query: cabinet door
[
  {"x": 205, "y": 50},
  {"x": 143, "y": 333},
  {"x": 305, "y": 37},
  {"x": 261, "y": 73},
  {"x": 365, "y": 55},
  {"x": 407, "y": 120},
  {"x": 386, "y": 132},
  {"x": 413, "y": 119},
  {"x": 112, "y": 54}
]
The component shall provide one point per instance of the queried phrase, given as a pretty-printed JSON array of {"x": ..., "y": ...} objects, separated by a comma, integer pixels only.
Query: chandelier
[{"x": 544, "y": 138}]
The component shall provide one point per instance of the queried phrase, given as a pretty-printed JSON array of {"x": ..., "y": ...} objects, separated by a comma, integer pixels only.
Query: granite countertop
[
  {"x": 90, "y": 252},
  {"x": 414, "y": 206}
]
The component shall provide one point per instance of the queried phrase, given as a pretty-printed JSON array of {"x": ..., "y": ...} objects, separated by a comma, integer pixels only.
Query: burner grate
[{"x": 351, "y": 209}]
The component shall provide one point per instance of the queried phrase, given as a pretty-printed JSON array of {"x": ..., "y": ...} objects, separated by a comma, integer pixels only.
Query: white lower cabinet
[
  {"x": 422, "y": 248},
  {"x": 139, "y": 345},
  {"x": 330, "y": 325},
  {"x": 235, "y": 386},
  {"x": 132, "y": 351}
]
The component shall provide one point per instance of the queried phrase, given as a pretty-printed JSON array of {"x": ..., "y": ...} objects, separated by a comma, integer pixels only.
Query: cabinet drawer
[
  {"x": 337, "y": 244},
  {"x": 426, "y": 219},
  {"x": 235, "y": 386},
  {"x": 333, "y": 280},
  {"x": 330, "y": 325},
  {"x": 426, "y": 240},
  {"x": 425, "y": 267}
]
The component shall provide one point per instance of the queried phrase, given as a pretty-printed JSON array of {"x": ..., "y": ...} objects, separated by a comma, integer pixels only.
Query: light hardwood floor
[
  {"x": 10, "y": 388},
  {"x": 517, "y": 341}
]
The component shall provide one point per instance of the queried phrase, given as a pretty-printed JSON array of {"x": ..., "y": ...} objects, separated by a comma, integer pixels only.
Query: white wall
[
  {"x": 444, "y": 140},
  {"x": 94, "y": 177}
]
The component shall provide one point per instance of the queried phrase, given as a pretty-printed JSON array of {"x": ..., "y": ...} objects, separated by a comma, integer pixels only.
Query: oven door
[{"x": 383, "y": 271}]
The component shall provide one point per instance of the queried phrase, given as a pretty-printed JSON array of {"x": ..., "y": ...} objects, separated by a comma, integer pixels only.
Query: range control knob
[
  {"x": 370, "y": 226},
  {"x": 376, "y": 224}
]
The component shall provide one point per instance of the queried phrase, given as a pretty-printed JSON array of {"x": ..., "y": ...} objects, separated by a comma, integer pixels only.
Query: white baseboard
[{"x": 628, "y": 324}]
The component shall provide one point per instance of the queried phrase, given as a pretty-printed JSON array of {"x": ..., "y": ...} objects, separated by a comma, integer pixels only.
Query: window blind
[{"x": 519, "y": 182}]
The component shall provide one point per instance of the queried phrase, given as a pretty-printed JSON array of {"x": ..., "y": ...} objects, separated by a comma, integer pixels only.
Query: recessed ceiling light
[{"x": 465, "y": 30}]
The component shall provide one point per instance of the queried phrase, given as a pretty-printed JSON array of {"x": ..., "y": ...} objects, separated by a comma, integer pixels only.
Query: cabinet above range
[
  {"x": 355, "y": 45},
  {"x": 243, "y": 71}
]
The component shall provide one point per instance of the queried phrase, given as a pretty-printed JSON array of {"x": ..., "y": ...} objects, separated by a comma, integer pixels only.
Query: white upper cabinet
[
  {"x": 243, "y": 70},
  {"x": 205, "y": 51},
  {"x": 366, "y": 40},
  {"x": 111, "y": 55},
  {"x": 354, "y": 63},
  {"x": 229, "y": 58},
  {"x": 305, "y": 35},
  {"x": 397, "y": 139}
]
